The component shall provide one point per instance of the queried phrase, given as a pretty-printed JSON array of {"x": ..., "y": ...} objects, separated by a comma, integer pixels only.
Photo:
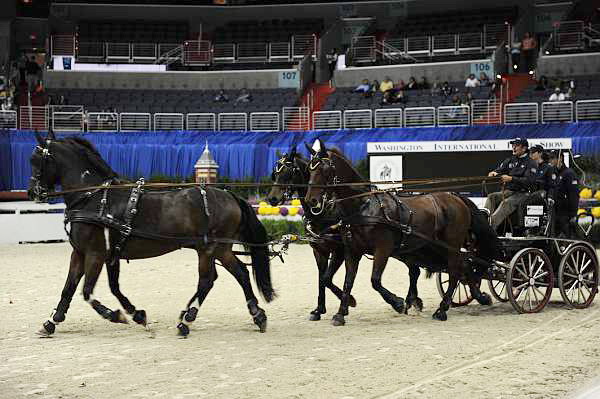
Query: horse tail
[
  {"x": 486, "y": 238},
  {"x": 253, "y": 232}
]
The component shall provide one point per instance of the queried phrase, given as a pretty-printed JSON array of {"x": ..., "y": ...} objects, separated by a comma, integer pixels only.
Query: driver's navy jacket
[{"x": 523, "y": 171}]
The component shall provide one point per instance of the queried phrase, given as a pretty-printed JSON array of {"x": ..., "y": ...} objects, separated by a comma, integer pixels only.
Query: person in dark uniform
[
  {"x": 567, "y": 197},
  {"x": 545, "y": 181},
  {"x": 517, "y": 173}
]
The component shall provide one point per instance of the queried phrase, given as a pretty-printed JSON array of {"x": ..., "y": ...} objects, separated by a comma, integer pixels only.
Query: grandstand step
[{"x": 516, "y": 83}]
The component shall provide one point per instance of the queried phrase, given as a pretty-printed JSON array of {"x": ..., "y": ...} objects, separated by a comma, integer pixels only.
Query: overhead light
[
  {"x": 498, "y": 76},
  {"x": 515, "y": 67},
  {"x": 531, "y": 72}
]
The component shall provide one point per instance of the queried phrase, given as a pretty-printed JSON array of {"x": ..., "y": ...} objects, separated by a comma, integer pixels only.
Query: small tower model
[{"x": 206, "y": 167}]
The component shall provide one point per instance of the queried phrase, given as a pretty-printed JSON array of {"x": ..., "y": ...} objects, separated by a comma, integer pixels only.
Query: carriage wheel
[
  {"x": 530, "y": 280},
  {"x": 498, "y": 290},
  {"x": 462, "y": 295},
  {"x": 578, "y": 277}
]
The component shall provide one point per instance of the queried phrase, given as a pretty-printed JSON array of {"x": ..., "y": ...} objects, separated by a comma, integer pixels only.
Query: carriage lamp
[{"x": 206, "y": 167}]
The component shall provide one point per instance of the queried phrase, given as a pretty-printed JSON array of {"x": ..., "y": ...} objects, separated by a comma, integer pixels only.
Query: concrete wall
[
  {"x": 454, "y": 71},
  {"x": 165, "y": 80},
  {"x": 569, "y": 65}
]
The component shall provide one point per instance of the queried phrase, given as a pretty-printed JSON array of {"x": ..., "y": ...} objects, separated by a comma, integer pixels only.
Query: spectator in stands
[
  {"x": 7, "y": 104},
  {"x": 400, "y": 85},
  {"x": 375, "y": 87},
  {"x": 467, "y": 98},
  {"x": 412, "y": 84},
  {"x": 570, "y": 94},
  {"x": 386, "y": 85},
  {"x": 221, "y": 97},
  {"x": 446, "y": 90},
  {"x": 456, "y": 100},
  {"x": 484, "y": 80},
  {"x": 33, "y": 74},
  {"x": 528, "y": 49},
  {"x": 424, "y": 84},
  {"x": 436, "y": 88},
  {"x": 472, "y": 81},
  {"x": 244, "y": 97},
  {"x": 364, "y": 87},
  {"x": 22, "y": 65},
  {"x": 557, "y": 95},
  {"x": 542, "y": 83},
  {"x": 62, "y": 101},
  {"x": 332, "y": 59}
]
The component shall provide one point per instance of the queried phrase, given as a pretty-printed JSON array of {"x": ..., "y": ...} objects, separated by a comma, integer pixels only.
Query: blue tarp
[{"x": 253, "y": 154}]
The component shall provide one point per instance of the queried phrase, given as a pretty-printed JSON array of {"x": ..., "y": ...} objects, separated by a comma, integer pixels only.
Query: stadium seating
[
  {"x": 266, "y": 31},
  {"x": 132, "y": 32},
  {"x": 586, "y": 88}
]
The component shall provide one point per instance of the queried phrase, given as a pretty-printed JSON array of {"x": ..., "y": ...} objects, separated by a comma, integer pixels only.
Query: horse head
[{"x": 286, "y": 173}]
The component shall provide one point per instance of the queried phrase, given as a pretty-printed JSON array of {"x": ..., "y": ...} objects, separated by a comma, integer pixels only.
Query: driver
[
  {"x": 518, "y": 174},
  {"x": 567, "y": 197}
]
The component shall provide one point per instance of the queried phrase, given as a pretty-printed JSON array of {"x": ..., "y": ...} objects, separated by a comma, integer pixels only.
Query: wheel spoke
[
  {"x": 535, "y": 275},
  {"x": 539, "y": 292},
  {"x": 521, "y": 292},
  {"x": 573, "y": 276},
  {"x": 585, "y": 266},
  {"x": 587, "y": 289},
  {"x": 530, "y": 263},
  {"x": 520, "y": 287},
  {"x": 525, "y": 276},
  {"x": 534, "y": 294},
  {"x": 570, "y": 266},
  {"x": 540, "y": 276},
  {"x": 569, "y": 291}
]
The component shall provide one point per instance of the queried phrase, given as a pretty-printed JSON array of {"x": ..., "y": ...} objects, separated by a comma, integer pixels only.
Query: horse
[
  {"x": 111, "y": 224},
  {"x": 290, "y": 176},
  {"x": 431, "y": 230}
]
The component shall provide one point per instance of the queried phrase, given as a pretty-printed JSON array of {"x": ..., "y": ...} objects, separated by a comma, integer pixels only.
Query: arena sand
[{"x": 480, "y": 352}]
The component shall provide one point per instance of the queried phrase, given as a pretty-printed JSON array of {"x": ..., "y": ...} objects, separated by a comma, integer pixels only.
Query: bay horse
[
  {"x": 112, "y": 224},
  {"x": 428, "y": 230},
  {"x": 290, "y": 175}
]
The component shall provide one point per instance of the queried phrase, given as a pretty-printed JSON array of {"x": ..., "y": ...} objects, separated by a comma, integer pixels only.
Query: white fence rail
[
  {"x": 8, "y": 119},
  {"x": 587, "y": 110},
  {"x": 388, "y": 117},
  {"x": 520, "y": 113},
  {"x": 68, "y": 121},
  {"x": 295, "y": 118},
  {"x": 135, "y": 121},
  {"x": 327, "y": 120},
  {"x": 264, "y": 121},
  {"x": 454, "y": 115},
  {"x": 486, "y": 112},
  {"x": 103, "y": 122},
  {"x": 234, "y": 121},
  {"x": 33, "y": 117},
  {"x": 558, "y": 111},
  {"x": 358, "y": 119},
  {"x": 168, "y": 121},
  {"x": 201, "y": 121},
  {"x": 419, "y": 117}
]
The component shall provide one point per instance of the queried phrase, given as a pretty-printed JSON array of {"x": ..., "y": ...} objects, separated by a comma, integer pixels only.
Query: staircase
[
  {"x": 172, "y": 56},
  {"x": 391, "y": 54},
  {"x": 515, "y": 85}
]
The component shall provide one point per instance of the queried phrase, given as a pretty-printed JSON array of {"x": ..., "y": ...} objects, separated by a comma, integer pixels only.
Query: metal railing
[
  {"x": 234, "y": 121},
  {"x": 587, "y": 110},
  {"x": 280, "y": 51},
  {"x": 144, "y": 52},
  {"x": 443, "y": 44},
  {"x": 420, "y": 45},
  {"x": 118, "y": 52},
  {"x": 252, "y": 52},
  {"x": 224, "y": 53},
  {"x": 388, "y": 117},
  {"x": 295, "y": 118},
  {"x": 358, "y": 119},
  {"x": 68, "y": 121},
  {"x": 495, "y": 34},
  {"x": 302, "y": 45},
  {"x": 327, "y": 120},
  {"x": 201, "y": 121},
  {"x": 486, "y": 112},
  {"x": 363, "y": 49},
  {"x": 264, "y": 122},
  {"x": 91, "y": 52},
  {"x": 419, "y": 117},
  {"x": 557, "y": 111},
  {"x": 8, "y": 119},
  {"x": 569, "y": 35},
  {"x": 135, "y": 121},
  {"x": 168, "y": 121},
  {"x": 455, "y": 115},
  {"x": 62, "y": 45},
  {"x": 521, "y": 113},
  {"x": 470, "y": 42},
  {"x": 31, "y": 117},
  {"x": 103, "y": 122},
  {"x": 170, "y": 54}
]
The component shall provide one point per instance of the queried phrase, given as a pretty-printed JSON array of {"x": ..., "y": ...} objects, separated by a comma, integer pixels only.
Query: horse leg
[
  {"x": 240, "y": 272},
  {"x": 474, "y": 282},
  {"x": 380, "y": 259},
  {"x": 321, "y": 257},
  {"x": 113, "y": 269},
  {"x": 93, "y": 266},
  {"x": 351, "y": 262},
  {"x": 73, "y": 278},
  {"x": 454, "y": 277},
  {"x": 412, "y": 298},
  {"x": 337, "y": 258},
  {"x": 206, "y": 278}
]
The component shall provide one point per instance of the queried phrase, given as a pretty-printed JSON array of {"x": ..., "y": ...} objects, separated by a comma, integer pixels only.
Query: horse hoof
[
  {"x": 398, "y": 305},
  {"x": 260, "y": 319},
  {"x": 418, "y": 304},
  {"x": 352, "y": 302},
  {"x": 139, "y": 316},
  {"x": 338, "y": 320},
  {"x": 118, "y": 317},
  {"x": 485, "y": 299},
  {"x": 440, "y": 315},
  {"x": 47, "y": 329},
  {"x": 191, "y": 314},
  {"x": 315, "y": 315},
  {"x": 183, "y": 330}
]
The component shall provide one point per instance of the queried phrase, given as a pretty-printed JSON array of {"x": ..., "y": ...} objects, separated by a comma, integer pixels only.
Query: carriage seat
[{"x": 532, "y": 213}]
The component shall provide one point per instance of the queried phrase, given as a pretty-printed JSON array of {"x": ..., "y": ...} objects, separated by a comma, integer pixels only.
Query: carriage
[{"x": 534, "y": 262}]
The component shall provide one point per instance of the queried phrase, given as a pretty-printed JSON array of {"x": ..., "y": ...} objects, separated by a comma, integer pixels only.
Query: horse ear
[
  {"x": 278, "y": 154},
  {"x": 40, "y": 140},
  {"x": 51, "y": 135},
  {"x": 310, "y": 150},
  {"x": 293, "y": 153}
]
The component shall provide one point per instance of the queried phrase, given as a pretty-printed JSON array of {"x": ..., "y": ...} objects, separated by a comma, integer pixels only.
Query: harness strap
[
  {"x": 436, "y": 212},
  {"x": 130, "y": 212}
]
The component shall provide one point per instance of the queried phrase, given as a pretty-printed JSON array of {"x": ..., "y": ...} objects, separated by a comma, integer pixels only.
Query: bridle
[
  {"x": 284, "y": 165},
  {"x": 331, "y": 179},
  {"x": 39, "y": 188}
]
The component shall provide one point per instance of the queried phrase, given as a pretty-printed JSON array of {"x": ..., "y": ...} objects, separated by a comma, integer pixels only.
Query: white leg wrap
[{"x": 107, "y": 239}]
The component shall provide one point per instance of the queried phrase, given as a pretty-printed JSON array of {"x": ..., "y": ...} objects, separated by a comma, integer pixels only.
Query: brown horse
[
  {"x": 112, "y": 224},
  {"x": 290, "y": 176},
  {"x": 433, "y": 231}
]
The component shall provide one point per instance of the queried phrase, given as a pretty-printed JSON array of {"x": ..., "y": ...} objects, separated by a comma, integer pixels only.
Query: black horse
[
  {"x": 112, "y": 224},
  {"x": 290, "y": 175},
  {"x": 430, "y": 230}
]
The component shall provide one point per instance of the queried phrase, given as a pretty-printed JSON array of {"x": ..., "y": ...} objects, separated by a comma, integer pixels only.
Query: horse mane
[
  {"x": 340, "y": 154},
  {"x": 92, "y": 155}
]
